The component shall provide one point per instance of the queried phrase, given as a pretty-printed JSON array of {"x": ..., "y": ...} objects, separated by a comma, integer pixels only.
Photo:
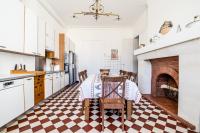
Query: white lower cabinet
[
  {"x": 62, "y": 80},
  {"x": 29, "y": 92},
  {"x": 56, "y": 82},
  {"x": 11, "y": 100},
  {"x": 66, "y": 79},
  {"x": 48, "y": 85}
]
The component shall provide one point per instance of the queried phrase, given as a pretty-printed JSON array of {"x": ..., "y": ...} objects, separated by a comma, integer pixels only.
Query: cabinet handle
[
  {"x": 8, "y": 83},
  {"x": 2, "y": 46},
  {"x": 29, "y": 79}
]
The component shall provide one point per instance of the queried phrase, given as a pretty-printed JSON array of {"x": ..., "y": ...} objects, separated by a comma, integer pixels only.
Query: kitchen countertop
[
  {"x": 51, "y": 72},
  {"x": 8, "y": 77}
]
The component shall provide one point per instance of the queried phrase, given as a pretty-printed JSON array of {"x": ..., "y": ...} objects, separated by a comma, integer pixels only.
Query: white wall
[
  {"x": 178, "y": 11},
  {"x": 93, "y": 45},
  {"x": 8, "y": 61},
  {"x": 140, "y": 27}
]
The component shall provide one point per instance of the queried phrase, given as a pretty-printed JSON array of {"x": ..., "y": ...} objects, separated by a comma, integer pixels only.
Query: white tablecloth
[{"x": 92, "y": 88}]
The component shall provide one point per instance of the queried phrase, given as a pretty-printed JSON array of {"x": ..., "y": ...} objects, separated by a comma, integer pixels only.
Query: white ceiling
[{"x": 129, "y": 11}]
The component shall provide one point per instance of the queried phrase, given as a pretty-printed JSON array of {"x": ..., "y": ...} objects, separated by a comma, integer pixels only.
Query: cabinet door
[
  {"x": 57, "y": 45},
  {"x": 50, "y": 42},
  {"x": 56, "y": 82},
  {"x": 48, "y": 87},
  {"x": 62, "y": 84},
  {"x": 11, "y": 104},
  {"x": 11, "y": 25},
  {"x": 67, "y": 45},
  {"x": 66, "y": 79},
  {"x": 41, "y": 37},
  {"x": 29, "y": 93},
  {"x": 30, "y": 32}
]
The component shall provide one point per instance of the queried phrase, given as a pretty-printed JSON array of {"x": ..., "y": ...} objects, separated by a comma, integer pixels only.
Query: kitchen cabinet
[
  {"x": 41, "y": 37},
  {"x": 67, "y": 45},
  {"x": 30, "y": 46},
  {"x": 11, "y": 100},
  {"x": 62, "y": 80},
  {"x": 71, "y": 46},
  {"x": 12, "y": 25},
  {"x": 29, "y": 92},
  {"x": 50, "y": 38},
  {"x": 48, "y": 85},
  {"x": 66, "y": 79},
  {"x": 56, "y": 82},
  {"x": 38, "y": 89},
  {"x": 57, "y": 45}
]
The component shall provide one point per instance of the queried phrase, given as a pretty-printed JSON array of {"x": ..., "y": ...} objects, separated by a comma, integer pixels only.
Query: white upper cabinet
[
  {"x": 31, "y": 22},
  {"x": 67, "y": 45},
  {"x": 11, "y": 25},
  {"x": 41, "y": 37},
  {"x": 56, "y": 44},
  {"x": 50, "y": 38}
]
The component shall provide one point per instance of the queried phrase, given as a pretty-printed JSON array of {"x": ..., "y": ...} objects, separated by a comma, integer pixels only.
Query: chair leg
[
  {"x": 102, "y": 114},
  {"x": 122, "y": 119}
]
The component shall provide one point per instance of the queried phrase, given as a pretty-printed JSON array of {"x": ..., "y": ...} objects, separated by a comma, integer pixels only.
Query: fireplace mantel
[{"x": 170, "y": 40}]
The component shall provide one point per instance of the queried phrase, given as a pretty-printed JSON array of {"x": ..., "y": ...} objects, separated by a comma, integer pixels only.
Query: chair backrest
[
  {"x": 113, "y": 87},
  {"x": 122, "y": 72},
  {"x": 132, "y": 76},
  {"x": 81, "y": 76},
  {"x": 104, "y": 72},
  {"x": 85, "y": 74}
]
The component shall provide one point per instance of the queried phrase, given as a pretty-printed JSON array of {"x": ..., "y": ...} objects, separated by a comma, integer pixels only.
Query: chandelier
[{"x": 97, "y": 10}]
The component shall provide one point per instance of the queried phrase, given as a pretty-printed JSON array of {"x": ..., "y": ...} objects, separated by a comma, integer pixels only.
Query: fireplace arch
[{"x": 166, "y": 69}]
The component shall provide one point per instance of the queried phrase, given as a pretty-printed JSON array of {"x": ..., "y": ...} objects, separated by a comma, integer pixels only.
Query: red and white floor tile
[{"x": 62, "y": 113}]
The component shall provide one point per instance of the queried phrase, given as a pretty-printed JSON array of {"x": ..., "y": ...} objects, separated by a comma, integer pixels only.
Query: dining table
[{"x": 91, "y": 88}]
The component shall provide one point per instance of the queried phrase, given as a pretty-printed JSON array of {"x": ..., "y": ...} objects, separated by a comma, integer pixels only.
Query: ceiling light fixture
[{"x": 97, "y": 10}]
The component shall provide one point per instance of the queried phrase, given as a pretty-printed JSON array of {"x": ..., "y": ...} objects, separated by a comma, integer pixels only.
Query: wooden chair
[
  {"x": 85, "y": 74},
  {"x": 122, "y": 72},
  {"x": 111, "y": 98},
  {"x": 104, "y": 72},
  {"x": 132, "y": 76},
  {"x": 81, "y": 76}
]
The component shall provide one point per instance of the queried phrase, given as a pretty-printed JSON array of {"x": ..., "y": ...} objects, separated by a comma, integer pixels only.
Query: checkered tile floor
[{"x": 62, "y": 113}]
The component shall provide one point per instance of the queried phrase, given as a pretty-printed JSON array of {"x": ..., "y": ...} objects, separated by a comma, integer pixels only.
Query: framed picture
[{"x": 114, "y": 54}]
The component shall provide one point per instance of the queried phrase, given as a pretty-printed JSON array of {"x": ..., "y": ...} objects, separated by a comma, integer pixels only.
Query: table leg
[
  {"x": 87, "y": 108},
  {"x": 129, "y": 109}
]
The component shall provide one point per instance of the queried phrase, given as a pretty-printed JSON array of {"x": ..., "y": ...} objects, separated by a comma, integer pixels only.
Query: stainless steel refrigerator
[{"x": 72, "y": 68}]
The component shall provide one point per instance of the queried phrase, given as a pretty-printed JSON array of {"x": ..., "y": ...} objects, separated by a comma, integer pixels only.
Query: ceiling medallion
[{"x": 97, "y": 10}]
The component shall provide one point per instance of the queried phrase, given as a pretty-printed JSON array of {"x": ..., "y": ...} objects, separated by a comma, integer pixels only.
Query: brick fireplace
[
  {"x": 179, "y": 62},
  {"x": 165, "y": 77}
]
